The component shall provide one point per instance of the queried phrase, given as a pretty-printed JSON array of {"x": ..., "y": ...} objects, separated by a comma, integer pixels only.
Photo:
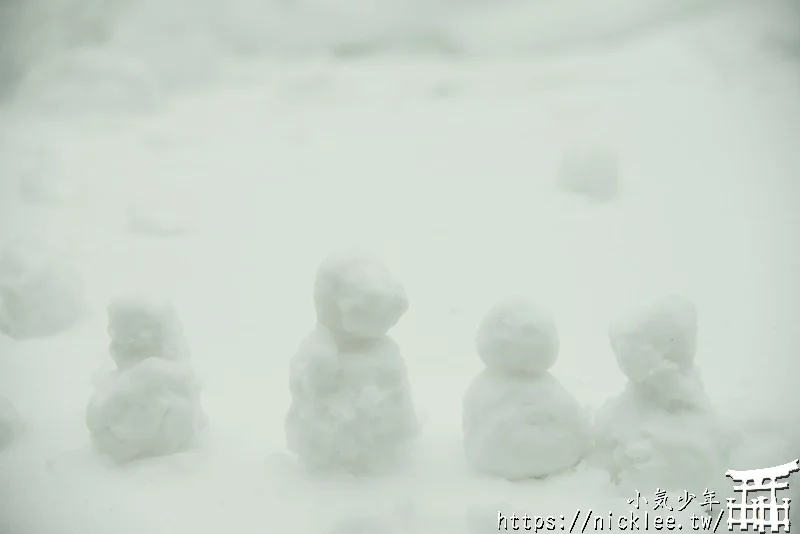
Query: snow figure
[
  {"x": 590, "y": 169},
  {"x": 351, "y": 401},
  {"x": 9, "y": 423},
  {"x": 150, "y": 406},
  {"x": 662, "y": 430},
  {"x": 519, "y": 422},
  {"x": 41, "y": 293}
]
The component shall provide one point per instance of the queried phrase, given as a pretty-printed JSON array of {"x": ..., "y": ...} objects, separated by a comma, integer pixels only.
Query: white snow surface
[
  {"x": 41, "y": 291},
  {"x": 351, "y": 409},
  {"x": 444, "y": 167},
  {"x": 518, "y": 337},
  {"x": 590, "y": 168},
  {"x": 149, "y": 409},
  {"x": 142, "y": 326},
  {"x": 356, "y": 296},
  {"x": 518, "y": 427}
]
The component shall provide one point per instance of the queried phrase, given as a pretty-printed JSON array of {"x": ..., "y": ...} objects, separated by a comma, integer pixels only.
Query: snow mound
[
  {"x": 91, "y": 79},
  {"x": 356, "y": 296},
  {"x": 522, "y": 427},
  {"x": 516, "y": 336},
  {"x": 41, "y": 293},
  {"x": 9, "y": 423},
  {"x": 351, "y": 409},
  {"x": 590, "y": 169},
  {"x": 143, "y": 326},
  {"x": 150, "y": 409},
  {"x": 657, "y": 340}
]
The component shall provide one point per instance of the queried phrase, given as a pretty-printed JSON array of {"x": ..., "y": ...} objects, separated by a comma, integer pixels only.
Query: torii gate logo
[{"x": 762, "y": 513}]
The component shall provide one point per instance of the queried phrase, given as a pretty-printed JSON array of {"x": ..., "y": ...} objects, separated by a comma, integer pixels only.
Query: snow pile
[
  {"x": 41, "y": 293},
  {"x": 352, "y": 407},
  {"x": 591, "y": 169},
  {"x": 9, "y": 423},
  {"x": 662, "y": 431},
  {"x": 518, "y": 420},
  {"x": 151, "y": 405}
]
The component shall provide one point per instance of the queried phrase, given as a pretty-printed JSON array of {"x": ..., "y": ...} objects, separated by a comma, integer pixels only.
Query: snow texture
[
  {"x": 150, "y": 409},
  {"x": 356, "y": 297},
  {"x": 41, "y": 292},
  {"x": 352, "y": 406},
  {"x": 515, "y": 336},
  {"x": 662, "y": 430},
  {"x": 590, "y": 169},
  {"x": 518, "y": 420},
  {"x": 145, "y": 326},
  {"x": 9, "y": 423}
]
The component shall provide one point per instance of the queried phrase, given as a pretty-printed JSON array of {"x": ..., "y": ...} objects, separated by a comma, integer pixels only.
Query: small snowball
[
  {"x": 357, "y": 297},
  {"x": 150, "y": 409},
  {"x": 351, "y": 411},
  {"x": 41, "y": 293},
  {"x": 9, "y": 423},
  {"x": 590, "y": 169},
  {"x": 516, "y": 336},
  {"x": 522, "y": 427},
  {"x": 143, "y": 326},
  {"x": 656, "y": 339}
]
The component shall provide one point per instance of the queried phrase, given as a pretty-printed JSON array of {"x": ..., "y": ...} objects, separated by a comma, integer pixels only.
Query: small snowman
[
  {"x": 352, "y": 408},
  {"x": 519, "y": 421},
  {"x": 662, "y": 431},
  {"x": 150, "y": 406},
  {"x": 41, "y": 292}
]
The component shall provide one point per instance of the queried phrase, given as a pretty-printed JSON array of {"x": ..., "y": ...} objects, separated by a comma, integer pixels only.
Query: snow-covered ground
[{"x": 224, "y": 184}]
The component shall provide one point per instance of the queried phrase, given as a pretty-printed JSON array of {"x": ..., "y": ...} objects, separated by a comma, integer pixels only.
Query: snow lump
[{"x": 41, "y": 292}]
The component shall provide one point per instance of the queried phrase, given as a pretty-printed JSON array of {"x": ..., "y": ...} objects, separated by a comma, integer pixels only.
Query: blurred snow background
[{"x": 216, "y": 151}]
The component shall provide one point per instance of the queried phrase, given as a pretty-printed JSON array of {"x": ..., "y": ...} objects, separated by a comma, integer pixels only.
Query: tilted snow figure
[
  {"x": 41, "y": 293},
  {"x": 352, "y": 408},
  {"x": 518, "y": 420},
  {"x": 150, "y": 406},
  {"x": 662, "y": 430},
  {"x": 9, "y": 423}
]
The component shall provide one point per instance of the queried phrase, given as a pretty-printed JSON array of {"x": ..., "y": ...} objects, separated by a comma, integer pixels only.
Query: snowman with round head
[
  {"x": 352, "y": 408},
  {"x": 662, "y": 430},
  {"x": 150, "y": 406},
  {"x": 518, "y": 420}
]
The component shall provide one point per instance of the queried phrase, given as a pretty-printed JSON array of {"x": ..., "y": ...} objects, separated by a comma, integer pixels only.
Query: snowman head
[
  {"x": 516, "y": 336},
  {"x": 142, "y": 327},
  {"x": 656, "y": 339},
  {"x": 356, "y": 297}
]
